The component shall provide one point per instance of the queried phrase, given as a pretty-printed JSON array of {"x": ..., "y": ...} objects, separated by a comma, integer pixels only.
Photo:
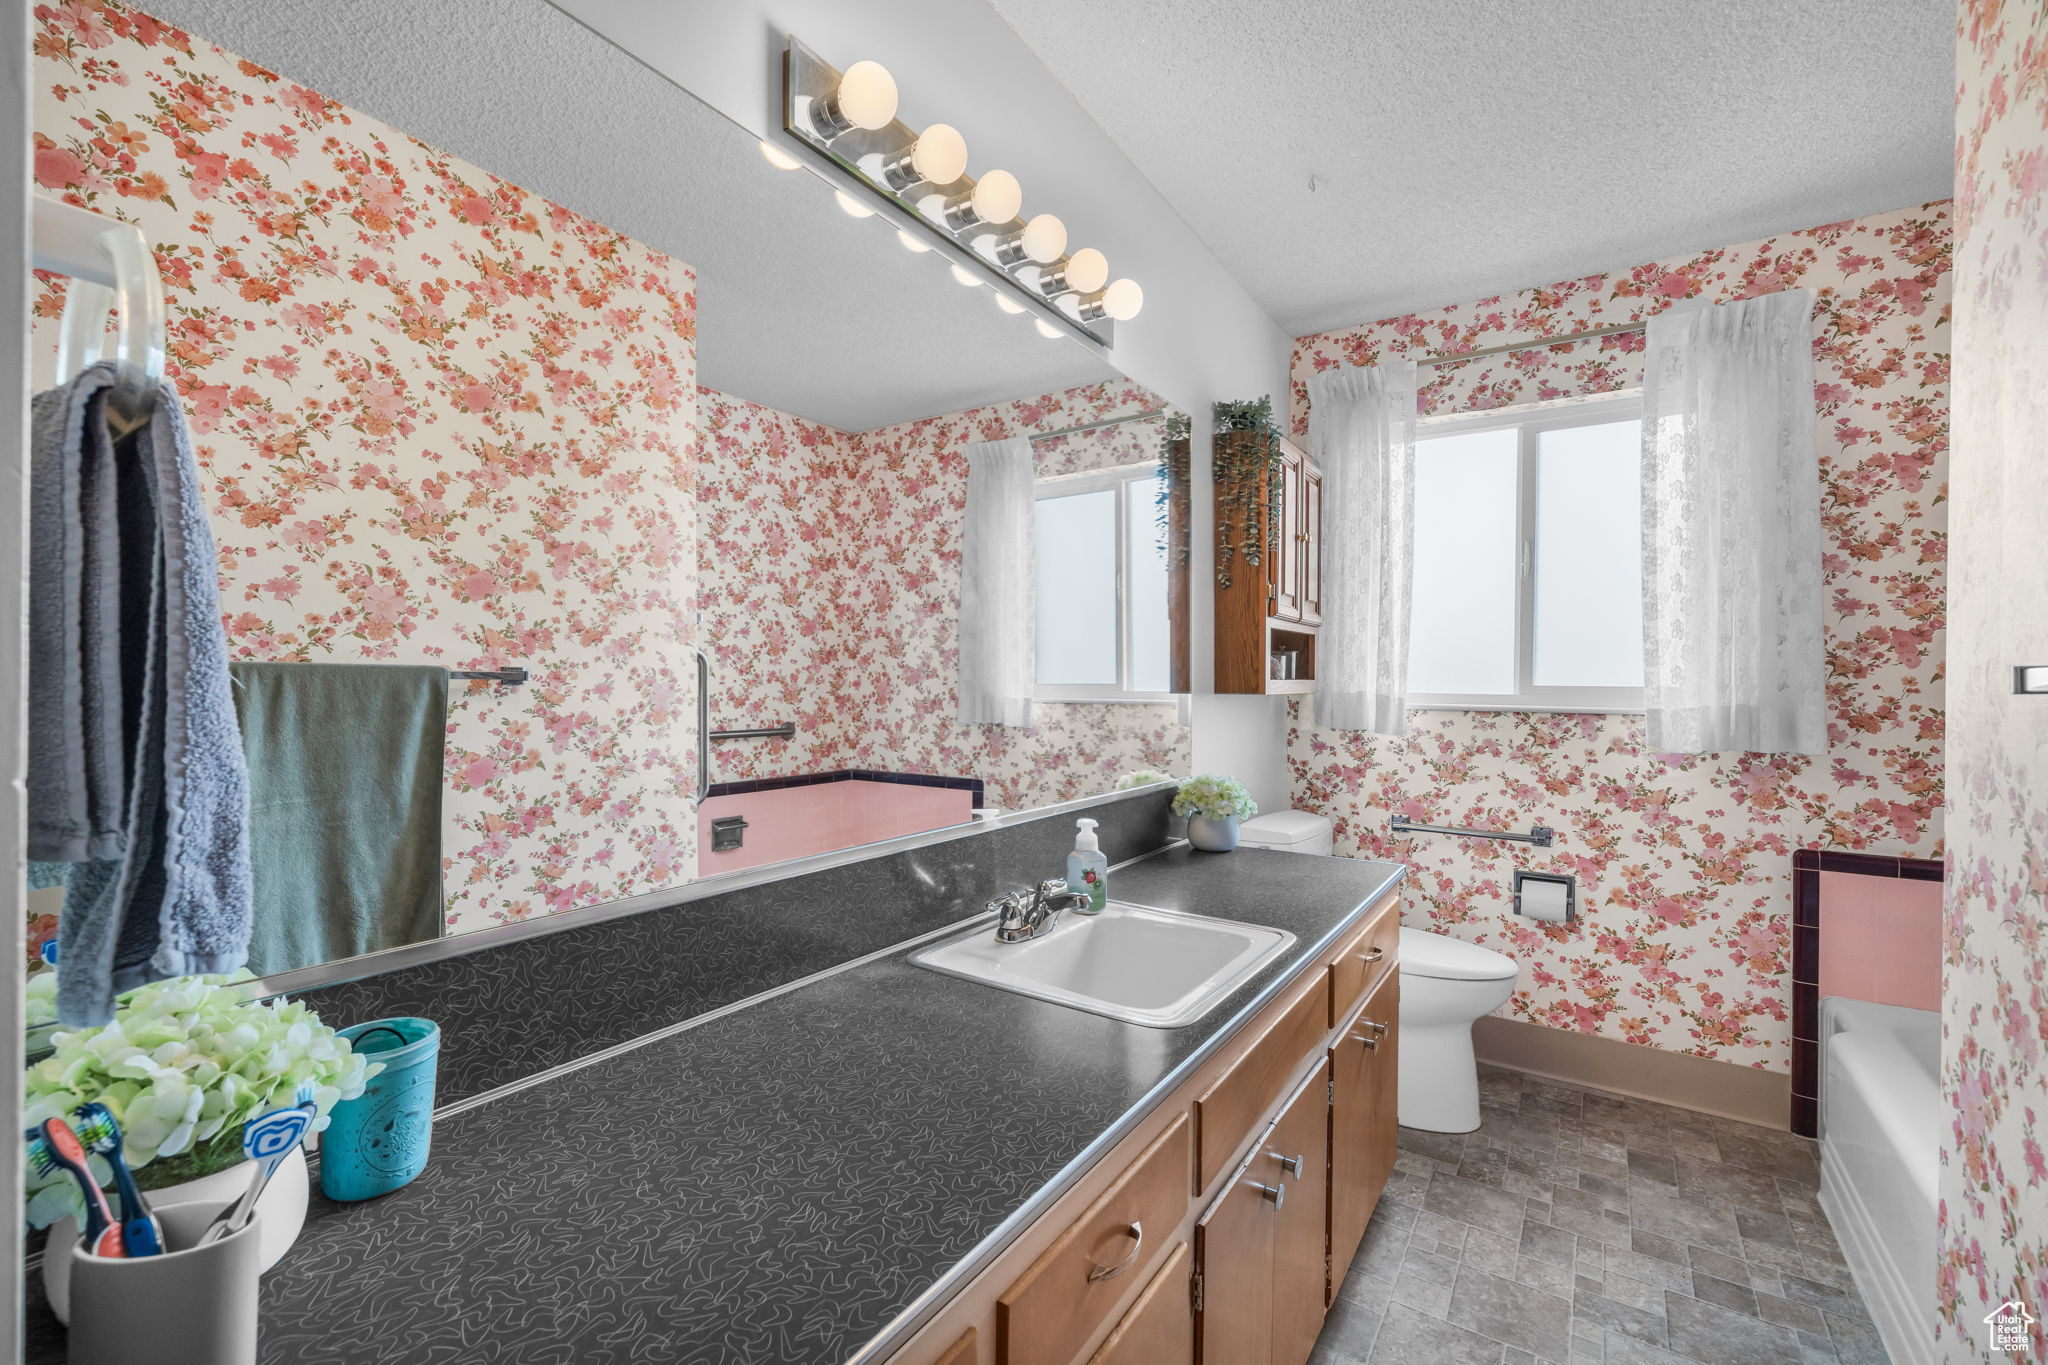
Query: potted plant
[
  {"x": 1214, "y": 806},
  {"x": 183, "y": 1065}
]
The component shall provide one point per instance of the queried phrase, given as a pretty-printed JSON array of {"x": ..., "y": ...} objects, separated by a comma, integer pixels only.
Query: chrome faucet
[{"x": 1022, "y": 916}]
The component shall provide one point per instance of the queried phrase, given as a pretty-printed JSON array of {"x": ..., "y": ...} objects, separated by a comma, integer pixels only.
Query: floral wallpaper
[
  {"x": 1684, "y": 863},
  {"x": 829, "y": 586},
  {"x": 439, "y": 419},
  {"x": 1994, "y": 1176}
]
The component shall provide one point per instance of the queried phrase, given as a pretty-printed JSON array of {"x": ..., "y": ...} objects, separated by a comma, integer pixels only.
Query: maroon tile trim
[{"x": 1807, "y": 865}]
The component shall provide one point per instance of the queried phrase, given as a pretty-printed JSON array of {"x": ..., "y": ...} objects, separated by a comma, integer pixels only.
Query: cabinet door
[
  {"x": 1296, "y": 1156},
  {"x": 1309, "y": 540},
  {"x": 1160, "y": 1327},
  {"x": 1283, "y": 565},
  {"x": 1363, "y": 1077},
  {"x": 1234, "y": 1250}
]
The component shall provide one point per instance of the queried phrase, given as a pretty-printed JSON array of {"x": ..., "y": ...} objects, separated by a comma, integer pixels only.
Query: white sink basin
[{"x": 1143, "y": 966}]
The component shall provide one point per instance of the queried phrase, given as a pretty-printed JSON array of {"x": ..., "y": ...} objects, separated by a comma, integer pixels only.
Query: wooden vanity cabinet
[{"x": 1209, "y": 1235}]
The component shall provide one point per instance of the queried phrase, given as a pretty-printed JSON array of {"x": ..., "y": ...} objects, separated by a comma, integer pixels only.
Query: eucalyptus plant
[{"x": 1248, "y": 485}]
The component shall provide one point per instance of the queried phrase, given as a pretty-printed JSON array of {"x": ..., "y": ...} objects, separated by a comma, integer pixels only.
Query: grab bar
[
  {"x": 1538, "y": 835},
  {"x": 703, "y": 724},
  {"x": 786, "y": 730}
]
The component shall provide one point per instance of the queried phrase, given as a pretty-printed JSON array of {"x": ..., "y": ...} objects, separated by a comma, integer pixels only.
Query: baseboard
[{"x": 1676, "y": 1078}]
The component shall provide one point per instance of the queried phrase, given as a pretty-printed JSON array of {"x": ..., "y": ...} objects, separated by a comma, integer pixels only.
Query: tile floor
[{"x": 1585, "y": 1228}]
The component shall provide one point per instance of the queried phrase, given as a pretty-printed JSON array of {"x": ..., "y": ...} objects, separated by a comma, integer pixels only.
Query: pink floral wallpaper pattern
[
  {"x": 1994, "y": 1175},
  {"x": 1684, "y": 863},
  {"x": 439, "y": 419},
  {"x": 829, "y": 589}
]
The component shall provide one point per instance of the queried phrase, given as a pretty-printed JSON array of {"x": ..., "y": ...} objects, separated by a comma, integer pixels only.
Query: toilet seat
[{"x": 1452, "y": 959}]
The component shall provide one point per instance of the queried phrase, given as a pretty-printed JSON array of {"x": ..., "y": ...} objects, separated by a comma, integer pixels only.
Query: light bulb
[
  {"x": 1008, "y": 304},
  {"x": 779, "y": 159},
  {"x": 1047, "y": 330},
  {"x": 940, "y": 156},
  {"x": 911, "y": 243},
  {"x": 1041, "y": 241},
  {"x": 997, "y": 197},
  {"x": 966, "y": 276},
  {"x": 1123, "y": 299},
  {"x": 852, "y": 206},
  {"x": 866, "y": 97},
  {"x": 1087, "y": 270}
]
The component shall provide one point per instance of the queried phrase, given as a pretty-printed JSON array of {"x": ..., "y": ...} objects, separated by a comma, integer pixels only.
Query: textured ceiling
[
  {"x": 1350, "y": 161},
  {"x": 799, "y": 306}
]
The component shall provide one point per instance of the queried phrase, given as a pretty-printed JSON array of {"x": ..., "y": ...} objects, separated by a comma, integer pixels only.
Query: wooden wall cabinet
[
  {"x": 1216, "y": 1233},
  {"x": 1276, "y": 604}
]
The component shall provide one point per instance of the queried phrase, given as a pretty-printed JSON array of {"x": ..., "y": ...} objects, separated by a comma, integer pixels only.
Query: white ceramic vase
[
  {"x": 282, "y": 1206},
  {"x": 1213, "y": 835}
]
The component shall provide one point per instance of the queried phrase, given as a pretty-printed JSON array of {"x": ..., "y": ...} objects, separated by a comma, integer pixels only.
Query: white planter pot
[
  {"x": 1213, "y": 836},
  {"x": 282, "y": 1206}
]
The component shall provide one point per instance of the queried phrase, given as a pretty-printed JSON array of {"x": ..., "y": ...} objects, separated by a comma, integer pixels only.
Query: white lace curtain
[
  {"x": 1362, "y": 427},
  {"x": 1732, "y": 657},
  {"x": 998, "y": 666}
]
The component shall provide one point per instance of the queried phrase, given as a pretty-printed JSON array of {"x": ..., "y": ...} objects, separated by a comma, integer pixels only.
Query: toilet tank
[{"x": 1289, "y": 831}]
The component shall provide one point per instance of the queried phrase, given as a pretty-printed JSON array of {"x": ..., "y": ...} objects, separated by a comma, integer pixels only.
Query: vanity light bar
[{"x": 849, "y": 119}]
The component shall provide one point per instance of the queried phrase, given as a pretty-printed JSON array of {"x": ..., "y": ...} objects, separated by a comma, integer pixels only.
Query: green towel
[{"x": 345, "y": 768}]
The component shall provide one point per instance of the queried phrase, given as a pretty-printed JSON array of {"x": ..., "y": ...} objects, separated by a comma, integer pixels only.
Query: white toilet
[{"x": 1446, "y": 985}]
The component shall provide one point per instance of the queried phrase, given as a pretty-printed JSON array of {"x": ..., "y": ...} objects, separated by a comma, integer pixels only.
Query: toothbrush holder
[
  {"x": 378, "y": 1141},
  {"x": 192, "y": 1304}
]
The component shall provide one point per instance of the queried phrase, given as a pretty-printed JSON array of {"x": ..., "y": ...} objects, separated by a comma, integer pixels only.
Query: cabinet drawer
[
  {"x": 1055, "y": 1306},
  {"x": 1245, "y": 1094},
  {"x": 1372, "y": 949},
  {"x": 1160, "y": 1328}
]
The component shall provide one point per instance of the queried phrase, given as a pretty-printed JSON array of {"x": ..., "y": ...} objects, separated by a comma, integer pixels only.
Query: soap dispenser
[{"x": 1088, "y": 870}]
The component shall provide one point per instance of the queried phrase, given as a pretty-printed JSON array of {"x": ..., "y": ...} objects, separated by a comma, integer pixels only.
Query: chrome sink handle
[{"x": 1012, "y": 917}]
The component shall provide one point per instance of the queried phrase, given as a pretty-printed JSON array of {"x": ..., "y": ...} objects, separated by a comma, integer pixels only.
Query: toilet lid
[
  {"x": 1282, "y": 827},
  {"x": 1452, "y": 959}
]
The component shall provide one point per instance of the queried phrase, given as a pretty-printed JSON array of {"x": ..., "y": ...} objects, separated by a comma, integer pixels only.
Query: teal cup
[{"x": 378, "y": 1141}]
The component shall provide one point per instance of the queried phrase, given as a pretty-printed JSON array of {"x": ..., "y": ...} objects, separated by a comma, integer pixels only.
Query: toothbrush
[
  {"x": 100, "y": 1131},
  {"x": 267, "y": 1140},
  {"x": 57, "y": 1146}
]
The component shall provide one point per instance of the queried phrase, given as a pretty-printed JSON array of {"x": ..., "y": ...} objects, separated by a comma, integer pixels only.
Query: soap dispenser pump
[{"x": 1088, "y": 870}]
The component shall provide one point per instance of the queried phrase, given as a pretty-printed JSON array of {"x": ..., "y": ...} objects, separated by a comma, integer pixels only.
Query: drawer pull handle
[
  {"x": 1371, "y": 1041},
  {"x": 1110, "y": 1272},
  {"x": 1290, "y": 1164},
  {"x": 1374, "y": 955},
  {"x": 1379, "y": 1030},
  {"x": 1273, "y": 1194}
]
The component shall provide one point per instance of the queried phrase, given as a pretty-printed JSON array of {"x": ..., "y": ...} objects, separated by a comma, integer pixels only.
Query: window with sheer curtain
[
  {"x": 1527, "y": 587},
  {"x": 1100, "y": 563}
]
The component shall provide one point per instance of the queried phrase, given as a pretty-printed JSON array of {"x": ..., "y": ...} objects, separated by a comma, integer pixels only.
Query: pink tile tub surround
[
  {"x": 1880, "y": 939},
  {"x": 796, "y": 822}
]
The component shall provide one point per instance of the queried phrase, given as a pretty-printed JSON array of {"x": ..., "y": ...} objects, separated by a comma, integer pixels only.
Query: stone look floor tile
[{"x": 1579, "y": 1227}]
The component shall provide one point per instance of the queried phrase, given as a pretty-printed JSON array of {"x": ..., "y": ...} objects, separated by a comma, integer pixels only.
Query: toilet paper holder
[{"x": 1544, "y": 899}]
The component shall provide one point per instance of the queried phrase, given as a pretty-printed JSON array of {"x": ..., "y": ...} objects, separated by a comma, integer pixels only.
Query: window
[
  {"x": 1527, "y": 593},
  {"x": 1103, "y": 632}
]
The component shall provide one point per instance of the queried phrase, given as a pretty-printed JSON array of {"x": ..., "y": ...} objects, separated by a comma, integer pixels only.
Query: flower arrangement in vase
[{"x": 1215, "y": 807}]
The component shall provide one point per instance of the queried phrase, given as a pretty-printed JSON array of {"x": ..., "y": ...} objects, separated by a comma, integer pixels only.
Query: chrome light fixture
[{"x": 920, "y": 180}]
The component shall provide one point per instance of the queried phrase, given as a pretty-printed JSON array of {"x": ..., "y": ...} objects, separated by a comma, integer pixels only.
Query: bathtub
[
  {"x": 771, "y": 820},
  {"x": 1880, "y": 1136}
]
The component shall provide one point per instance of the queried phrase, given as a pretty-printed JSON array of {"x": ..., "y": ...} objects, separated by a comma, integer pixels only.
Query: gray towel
[
  {"x": 345, "y": 764},
  {"x": 176, "y": 900}
]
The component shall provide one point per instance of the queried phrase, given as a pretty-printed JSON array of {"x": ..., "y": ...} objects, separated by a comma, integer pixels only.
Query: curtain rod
[
  {"x": 1454, "y": 358},
  {"x": 1096, "y": 426}
]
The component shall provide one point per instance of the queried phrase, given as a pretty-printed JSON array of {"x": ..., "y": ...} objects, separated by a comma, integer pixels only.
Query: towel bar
[
  {"x": 508, "y": 676},
  {"x": 1537, "y": 834},
  {"x": 786, "y": 730}
]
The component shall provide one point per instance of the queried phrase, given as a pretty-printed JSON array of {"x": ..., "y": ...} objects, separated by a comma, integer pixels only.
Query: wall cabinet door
[
  {"x": 1310, "y": 544},
  {"x": 1362, "y": 1118},
  {"x": 1285, "y": 549},
  {"x": 1159, "y": 1329}
]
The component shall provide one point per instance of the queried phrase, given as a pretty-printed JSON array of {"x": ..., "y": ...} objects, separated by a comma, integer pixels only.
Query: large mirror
[{"x": 593, "y": 444}]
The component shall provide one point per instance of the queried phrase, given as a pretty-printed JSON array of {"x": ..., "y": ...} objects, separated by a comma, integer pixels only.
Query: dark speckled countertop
[{"x": 775, "y": 1185}]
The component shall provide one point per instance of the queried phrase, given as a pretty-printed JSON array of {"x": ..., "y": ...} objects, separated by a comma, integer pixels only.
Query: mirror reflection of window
[{"x": 1103, "y": 632}]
